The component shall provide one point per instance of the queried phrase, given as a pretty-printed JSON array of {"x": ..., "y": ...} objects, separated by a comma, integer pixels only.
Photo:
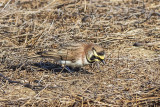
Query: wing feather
[{"x": 67, "y": 52}]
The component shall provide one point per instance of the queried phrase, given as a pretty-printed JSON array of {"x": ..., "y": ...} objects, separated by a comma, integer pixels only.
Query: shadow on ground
[{"x": 55, "y": 68}]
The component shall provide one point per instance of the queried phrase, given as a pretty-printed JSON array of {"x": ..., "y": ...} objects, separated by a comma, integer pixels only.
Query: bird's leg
[{"x": 98, "y": 67}]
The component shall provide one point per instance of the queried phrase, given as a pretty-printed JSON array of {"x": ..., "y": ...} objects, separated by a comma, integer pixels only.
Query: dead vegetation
[{"x": 131, "y": 76}]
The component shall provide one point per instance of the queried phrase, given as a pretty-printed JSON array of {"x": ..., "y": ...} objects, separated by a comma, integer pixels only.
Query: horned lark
[{"x": 76, "y": 55}]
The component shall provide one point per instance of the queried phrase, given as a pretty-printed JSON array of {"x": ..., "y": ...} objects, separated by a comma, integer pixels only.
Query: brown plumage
[{"x": 76, "y": 54}]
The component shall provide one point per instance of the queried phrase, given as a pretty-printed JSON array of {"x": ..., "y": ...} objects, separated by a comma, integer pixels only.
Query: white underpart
[{"x": 78, "y": 63}]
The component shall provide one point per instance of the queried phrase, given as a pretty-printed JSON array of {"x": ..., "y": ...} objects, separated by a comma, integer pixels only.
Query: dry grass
[{"x": 131, "y": 76}]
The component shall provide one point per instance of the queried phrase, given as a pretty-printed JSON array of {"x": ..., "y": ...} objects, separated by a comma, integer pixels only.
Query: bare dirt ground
[{"x": 128, "y": 30}]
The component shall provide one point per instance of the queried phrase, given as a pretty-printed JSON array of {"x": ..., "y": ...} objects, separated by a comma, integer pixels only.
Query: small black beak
[{"x": 103, "y": 62}]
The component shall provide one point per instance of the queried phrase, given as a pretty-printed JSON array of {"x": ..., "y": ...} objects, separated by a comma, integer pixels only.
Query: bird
[{"x": 76, "y": 54}]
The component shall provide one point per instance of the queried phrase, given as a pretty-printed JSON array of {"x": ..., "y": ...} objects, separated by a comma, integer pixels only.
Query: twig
[
  {"x": 6, "y": 5},
  {"x": 138, "y": 100},
  {"x": 9, "y": 80},
  {"x": 149, "y": 16}
]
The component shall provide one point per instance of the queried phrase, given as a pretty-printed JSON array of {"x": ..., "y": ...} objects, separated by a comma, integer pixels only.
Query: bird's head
[{"x": 96, "y": 53}]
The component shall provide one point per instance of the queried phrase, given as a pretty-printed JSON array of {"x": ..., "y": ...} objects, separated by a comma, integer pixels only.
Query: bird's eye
[{"x": 93, "y": 57}]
